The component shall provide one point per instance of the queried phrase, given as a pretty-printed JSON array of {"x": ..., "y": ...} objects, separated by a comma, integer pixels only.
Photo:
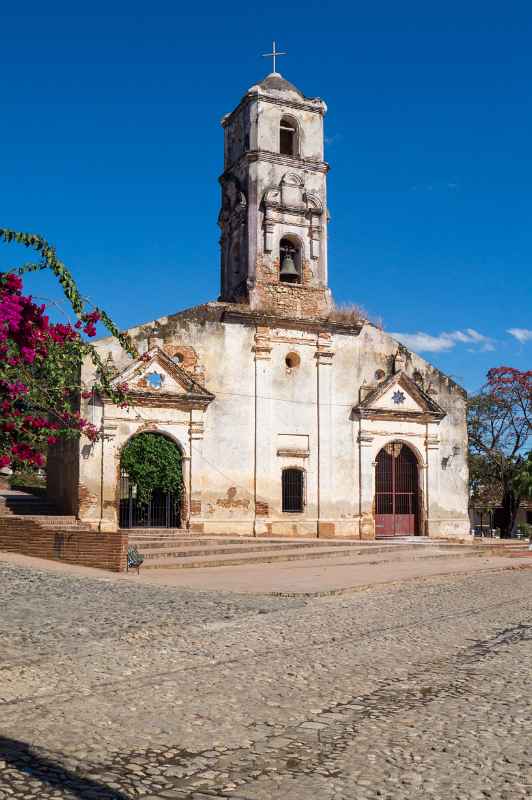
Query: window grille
[{"x": 293, "y": 490}]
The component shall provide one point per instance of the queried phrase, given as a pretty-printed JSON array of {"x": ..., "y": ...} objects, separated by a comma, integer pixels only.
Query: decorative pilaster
[
  {"x": 195, "y": 466},
  {"x": 432, "y": 476},
  {"x": 366, "y": 482},
  {"x": 263, "y": 428},
  {"x": 326, "y": 463},
  {"x": 110, "y": 476}
]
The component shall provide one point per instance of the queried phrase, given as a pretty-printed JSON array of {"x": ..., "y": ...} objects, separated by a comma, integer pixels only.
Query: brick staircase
[
  {"x": 175, "y": 549},
  {"x": 39, "y": 510},
  {"x": 31, "y": 526}
]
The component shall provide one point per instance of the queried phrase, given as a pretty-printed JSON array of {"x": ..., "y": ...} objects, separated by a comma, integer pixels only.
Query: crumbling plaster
[{"x": 233, "y": 450}]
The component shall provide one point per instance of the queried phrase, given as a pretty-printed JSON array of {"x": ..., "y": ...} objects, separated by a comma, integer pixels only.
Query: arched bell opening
[
  {"x": 288, "y": 137},
  {"x": 397, "y": 491},
  {"x": 289, "y": 260},
  {"x": 165, "y": 505}
]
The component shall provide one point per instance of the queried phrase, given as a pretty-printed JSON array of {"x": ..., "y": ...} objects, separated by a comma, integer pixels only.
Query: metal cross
[{"x": 273, "y": 55}]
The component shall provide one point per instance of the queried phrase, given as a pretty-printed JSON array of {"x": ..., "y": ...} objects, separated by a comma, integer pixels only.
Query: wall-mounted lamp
[{"x": 446, "y": 461}]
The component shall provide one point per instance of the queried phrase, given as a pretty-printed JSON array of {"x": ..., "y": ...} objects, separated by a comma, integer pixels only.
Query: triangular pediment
[
  {"x": 399, "y": 396},
  {"x": 156, "y": 375}
]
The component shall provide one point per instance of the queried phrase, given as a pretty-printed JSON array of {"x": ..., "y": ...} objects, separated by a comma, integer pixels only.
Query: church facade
[{"x": 290, "y": 418}]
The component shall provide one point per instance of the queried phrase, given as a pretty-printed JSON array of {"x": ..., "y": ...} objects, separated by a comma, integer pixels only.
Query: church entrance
[
  {"x": 150, "y": 483},
  {"x": 396, "y": 491},
  {"x": 162, "y": 510}
]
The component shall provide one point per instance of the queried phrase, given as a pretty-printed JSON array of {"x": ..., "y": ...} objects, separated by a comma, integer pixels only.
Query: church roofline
[
  {"x": 307, "y": 104},
  {"x": 237, "y": 313},
  {"x": 451, "y": 382}
]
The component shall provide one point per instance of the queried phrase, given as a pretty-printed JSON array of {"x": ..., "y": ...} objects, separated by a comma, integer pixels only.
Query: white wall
[{"x": 262, "y": 407}]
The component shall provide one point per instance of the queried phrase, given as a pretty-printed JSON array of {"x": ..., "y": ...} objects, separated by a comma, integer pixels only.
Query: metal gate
[
  {"x": 163, "y": 510},
  {"x": 396, "y": 491}
]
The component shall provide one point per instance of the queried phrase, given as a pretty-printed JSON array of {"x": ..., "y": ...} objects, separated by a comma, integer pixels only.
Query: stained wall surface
[{"x": 285, "y": 395}]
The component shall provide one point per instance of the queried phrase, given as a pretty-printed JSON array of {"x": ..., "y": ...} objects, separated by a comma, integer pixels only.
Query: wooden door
[{"x": 396, "y": 491}]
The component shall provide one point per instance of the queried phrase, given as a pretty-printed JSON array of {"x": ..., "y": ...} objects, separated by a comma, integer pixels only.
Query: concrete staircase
[
  {"x": 175, "y": 549},
  {"x": 21, "y": 513}
]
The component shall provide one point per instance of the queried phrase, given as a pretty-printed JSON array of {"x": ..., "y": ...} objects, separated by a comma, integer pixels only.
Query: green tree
[
  {"x": 523, "y": 480},
  {"x": 500, "y": 431}
]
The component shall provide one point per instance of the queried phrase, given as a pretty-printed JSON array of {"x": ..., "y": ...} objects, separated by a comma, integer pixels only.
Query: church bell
[{"x": 288, "y": 269}]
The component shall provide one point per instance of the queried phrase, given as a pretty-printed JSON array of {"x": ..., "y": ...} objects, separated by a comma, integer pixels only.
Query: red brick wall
[
  {"x": 88, "y": 548},
  {"x": 300, "y": 300}
]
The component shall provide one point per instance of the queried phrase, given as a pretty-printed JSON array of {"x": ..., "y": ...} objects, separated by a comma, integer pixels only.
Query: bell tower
[{"x": 274, "y": 217}]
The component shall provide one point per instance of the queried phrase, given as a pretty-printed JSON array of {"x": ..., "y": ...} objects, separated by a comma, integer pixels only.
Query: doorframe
[
  {"x": 185, "y": 474},
  {"x": 420, "y": 517}
]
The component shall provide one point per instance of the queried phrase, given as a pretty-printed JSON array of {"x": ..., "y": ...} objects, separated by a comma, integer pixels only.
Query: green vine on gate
[{"x": 153, "y": 462}]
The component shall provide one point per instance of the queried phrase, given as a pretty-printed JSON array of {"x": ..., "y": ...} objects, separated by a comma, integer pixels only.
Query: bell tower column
[{"x": 274, "y": 215}]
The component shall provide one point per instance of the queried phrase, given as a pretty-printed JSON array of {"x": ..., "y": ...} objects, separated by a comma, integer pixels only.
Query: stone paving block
[{"x": 117, "y": 691}]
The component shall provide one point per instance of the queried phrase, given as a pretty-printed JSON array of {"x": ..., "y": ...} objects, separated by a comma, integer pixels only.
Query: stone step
[
  {"x": 26, "y": 510},
  {"x": 231, "y": 560},
  {"x": 25, "y": 503},
  {"x": 391, "y": 553},
  {"x": 254, "y": 544},
  {"x": 183, "y": 549},
  {"x": 196, "y": 549},
  {"x": 520, "y": 553}
]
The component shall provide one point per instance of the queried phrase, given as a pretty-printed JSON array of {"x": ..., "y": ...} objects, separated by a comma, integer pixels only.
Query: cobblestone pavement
[{"x": 111, "y": 690}]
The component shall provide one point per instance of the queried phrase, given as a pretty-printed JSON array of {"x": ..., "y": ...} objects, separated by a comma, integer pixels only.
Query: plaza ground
[{"x": 114, "y": 687}]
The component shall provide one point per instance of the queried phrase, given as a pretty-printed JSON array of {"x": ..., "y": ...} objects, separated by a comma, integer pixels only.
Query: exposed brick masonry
[
  {"x": 304, "y": 300},
  {"x": 88, "y": 548}
]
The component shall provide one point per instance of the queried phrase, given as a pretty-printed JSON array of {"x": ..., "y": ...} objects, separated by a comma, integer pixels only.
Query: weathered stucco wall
[
  {"x": 268, "y": 195},
  {"x": 62, "y": 475},
  {"x": 268, "y": 414}
]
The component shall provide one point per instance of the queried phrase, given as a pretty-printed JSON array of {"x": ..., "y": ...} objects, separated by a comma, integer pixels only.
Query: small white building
[{"x": 290, "y": 418}]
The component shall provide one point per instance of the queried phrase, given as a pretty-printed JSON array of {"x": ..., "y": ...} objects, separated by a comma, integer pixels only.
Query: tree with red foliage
[
  {"x": 40, "y": 362},
  {"x": 500, "y": 435}
]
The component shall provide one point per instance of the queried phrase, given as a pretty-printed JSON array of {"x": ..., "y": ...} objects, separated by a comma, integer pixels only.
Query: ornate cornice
[
  {"x": 317, "y": 106},
  {"x": 270, "y": 157},
  {"x": 169, "y": 400},
  {"x": 359, "y": 412},
  {"x": 286, "y": 161}
]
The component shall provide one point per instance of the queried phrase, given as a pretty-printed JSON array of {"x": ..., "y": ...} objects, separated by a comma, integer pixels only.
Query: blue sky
[{"x": 110, "y": 146}]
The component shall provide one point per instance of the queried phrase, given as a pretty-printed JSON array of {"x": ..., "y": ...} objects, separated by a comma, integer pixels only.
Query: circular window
[
  {"x": 292, "y": 360},
  {"x": 178, "y": 358},
  {"x": 155, "y": 380},
  {"x": 379, "y": 374}
]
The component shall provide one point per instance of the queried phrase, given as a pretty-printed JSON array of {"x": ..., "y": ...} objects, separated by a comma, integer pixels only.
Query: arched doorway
[
  {"x": 151, "y": 483},
  {"x": 396, "y": 491}
]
